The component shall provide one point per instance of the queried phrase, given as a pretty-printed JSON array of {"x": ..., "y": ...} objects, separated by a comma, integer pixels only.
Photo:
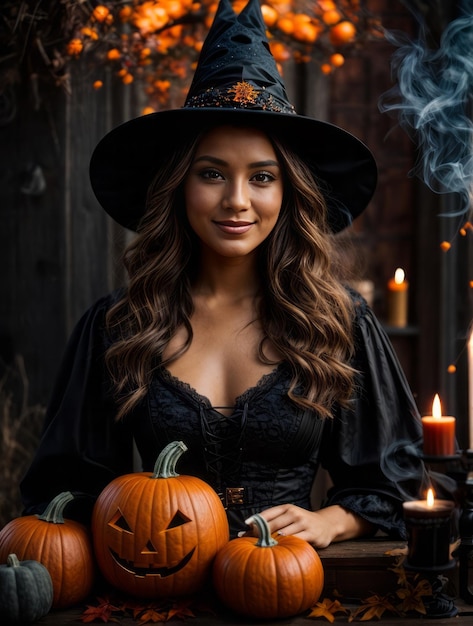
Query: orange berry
[
  {"x": 125, "y": 13},
  {"x": 471, "y": 283},
  {"x": 326, "y": 68},
  {"x": 279, "y": 51},
  {"x": 75, "y": 47},
  {"x": 343, "y": 32},
  {"x": 305, "y": 31},
  {"x": 147, "y": 110},
  {"x": 127, "y": 78},
  {"x": 270, "y": 15},
  {"x": 451, "y": 369},
  {"x": 286, "y": 25},
  {"x": 331, "y": 17},
  {"x": 98, "y": 84},
  {"x": 175, "y": 9},
  {"x": 89, "y": 32},
  {"x": 326, "y": 5},
  {"x": 337, "y": 59},
  {"x": 445, "y": 245},
  {"x": 100, "y": 13},
  {"x": 113, "y": 54}
]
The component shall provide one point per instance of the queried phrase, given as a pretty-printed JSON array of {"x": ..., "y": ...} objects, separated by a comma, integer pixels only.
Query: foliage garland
[{"x": 158, "y": 41}]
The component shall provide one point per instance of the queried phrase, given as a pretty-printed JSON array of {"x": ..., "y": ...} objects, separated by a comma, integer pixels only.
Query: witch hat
[{"x": 236, "y": 81}]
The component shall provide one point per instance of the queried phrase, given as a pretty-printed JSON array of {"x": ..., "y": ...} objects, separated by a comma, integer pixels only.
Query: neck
[{"x": 228, "y": 278}]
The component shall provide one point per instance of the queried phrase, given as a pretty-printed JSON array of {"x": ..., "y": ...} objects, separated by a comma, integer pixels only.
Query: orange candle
[
  {"x": 397, "y": 299},
  {"x": 438, "y": 431}
]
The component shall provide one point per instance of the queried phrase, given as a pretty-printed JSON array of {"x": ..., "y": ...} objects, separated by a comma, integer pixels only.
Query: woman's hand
[{"x": 319, "y": 528}]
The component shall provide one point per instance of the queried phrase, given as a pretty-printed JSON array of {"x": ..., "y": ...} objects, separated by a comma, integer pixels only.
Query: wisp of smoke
[
  {"x": 402, "y": 462},
  {"x": 432, "y": 98}
]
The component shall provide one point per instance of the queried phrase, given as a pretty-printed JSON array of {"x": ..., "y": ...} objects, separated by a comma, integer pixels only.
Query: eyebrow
[{"x": 217, "y": 161}]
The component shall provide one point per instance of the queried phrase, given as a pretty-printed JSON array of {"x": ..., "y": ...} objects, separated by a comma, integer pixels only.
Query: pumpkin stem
[
  {"x": 54, "y": 512},
  {"x": 264, "y": 535},
  {"x": 12, "y": 561},
  {"x": 165, "y": 466}
]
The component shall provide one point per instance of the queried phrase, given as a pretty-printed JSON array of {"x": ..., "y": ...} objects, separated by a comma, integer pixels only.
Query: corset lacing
[{"x": 223, "y": 444}]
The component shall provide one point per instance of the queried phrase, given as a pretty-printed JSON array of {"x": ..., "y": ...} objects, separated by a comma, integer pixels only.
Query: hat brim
[{"x": 125, "y": 161}]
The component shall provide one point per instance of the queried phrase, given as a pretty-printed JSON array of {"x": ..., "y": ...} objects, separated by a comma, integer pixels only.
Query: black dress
[{"x": 266, "y": 453}]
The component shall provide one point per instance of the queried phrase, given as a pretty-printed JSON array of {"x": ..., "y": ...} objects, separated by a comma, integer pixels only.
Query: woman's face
[{"x": 234, "y": 190}]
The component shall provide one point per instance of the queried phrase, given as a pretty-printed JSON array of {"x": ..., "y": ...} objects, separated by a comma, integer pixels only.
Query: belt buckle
[{"x": 234, "y": 496}]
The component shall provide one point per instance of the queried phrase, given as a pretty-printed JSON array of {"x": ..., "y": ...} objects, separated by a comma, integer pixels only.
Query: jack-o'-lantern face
[
  {"x": 125, "y": 549},
  {"x": 156, "y": 537}
]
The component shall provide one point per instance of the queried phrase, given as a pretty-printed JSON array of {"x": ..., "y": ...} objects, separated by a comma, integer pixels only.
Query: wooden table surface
[
  {"x": 353, "y": 571},
  {"x": 464, "y": 618}
]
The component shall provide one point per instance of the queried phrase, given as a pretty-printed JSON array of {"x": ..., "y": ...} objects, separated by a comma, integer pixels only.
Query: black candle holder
[{"x": 429, "y": 532}]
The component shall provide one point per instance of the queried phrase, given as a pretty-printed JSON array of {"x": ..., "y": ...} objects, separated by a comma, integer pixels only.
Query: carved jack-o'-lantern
[{"x": 156, "y": 534}]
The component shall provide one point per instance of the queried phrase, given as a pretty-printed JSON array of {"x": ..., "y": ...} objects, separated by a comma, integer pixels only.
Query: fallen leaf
[
  {"x": 102, "y": 612},
  {"x": 412, "y": 596},
  {"x": 327, "y": 609},
  {"x": 152, "y": 615},
  {"x": 373, "y": 607},
  {"x": 180, "y": 611}
]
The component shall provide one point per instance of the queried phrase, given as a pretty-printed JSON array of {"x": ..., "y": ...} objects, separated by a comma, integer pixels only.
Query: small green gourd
[{"x": 26, "y": 591}]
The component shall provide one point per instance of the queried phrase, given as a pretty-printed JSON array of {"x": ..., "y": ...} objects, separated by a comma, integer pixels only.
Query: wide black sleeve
[
  {"x": 83, "y": 447},
  {"x": 382, "y": 417}
]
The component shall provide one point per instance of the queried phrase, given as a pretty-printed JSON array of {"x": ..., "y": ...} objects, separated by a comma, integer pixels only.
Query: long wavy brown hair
[{"x": 305, "y": 311}]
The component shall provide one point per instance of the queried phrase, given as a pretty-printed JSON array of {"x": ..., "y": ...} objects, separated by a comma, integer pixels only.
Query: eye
[
  {"x": 263, "y": 177},
  {"x": 178, "y": 520},
  {"x": 118, "y": 521},
  {"x": 211, "y": 174}
]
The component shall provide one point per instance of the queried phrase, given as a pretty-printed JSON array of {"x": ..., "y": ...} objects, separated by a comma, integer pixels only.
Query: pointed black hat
[{"x": 236, "y": 81}]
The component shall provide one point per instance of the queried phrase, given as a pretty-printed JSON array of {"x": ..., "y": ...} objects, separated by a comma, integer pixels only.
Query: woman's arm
[{"x": 319, "y": 528}]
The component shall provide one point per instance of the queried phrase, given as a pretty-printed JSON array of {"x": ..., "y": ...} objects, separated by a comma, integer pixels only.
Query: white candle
[{"x": 470, "y": 385}]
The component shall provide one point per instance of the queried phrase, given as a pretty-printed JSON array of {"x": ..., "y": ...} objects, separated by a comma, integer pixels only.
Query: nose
[{"x": 237, "y": 197}]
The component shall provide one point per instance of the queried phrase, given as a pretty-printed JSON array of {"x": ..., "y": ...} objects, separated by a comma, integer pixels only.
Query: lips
[{"x": 234, "y": 228}]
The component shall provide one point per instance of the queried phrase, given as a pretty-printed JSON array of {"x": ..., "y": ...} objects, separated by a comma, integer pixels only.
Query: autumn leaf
[
  {"x": 373, "y": 607},
  {"x": 327, "y": 609},
  {"x": 152, "y": 615},
  {"x": 102, "y": 612},
  {"x": 398, "y": 569},
  {"x": 181, "y": 611},
  {"x": 412, "y": 596}
]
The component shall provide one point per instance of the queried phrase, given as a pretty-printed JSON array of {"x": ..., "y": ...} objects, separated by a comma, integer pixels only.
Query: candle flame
[
  {"x": 399, "y": 276},
  {"x": 436, "y": 406},
  {"x": 430, "y": 498}
]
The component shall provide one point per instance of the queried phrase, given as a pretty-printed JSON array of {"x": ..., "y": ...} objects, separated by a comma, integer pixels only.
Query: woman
[{"x": 234, "y": 333}]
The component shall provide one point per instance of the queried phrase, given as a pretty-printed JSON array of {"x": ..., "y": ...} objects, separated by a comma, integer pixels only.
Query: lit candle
[
  {"x": 428, "y": 524},
  {"x": 397, "y": 299},
  {"x": 470, "y": 385},
  {"x": 438, "y": 431}
]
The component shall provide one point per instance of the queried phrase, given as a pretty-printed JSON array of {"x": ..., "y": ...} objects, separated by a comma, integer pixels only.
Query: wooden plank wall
[{"x": 58, "y": 250}]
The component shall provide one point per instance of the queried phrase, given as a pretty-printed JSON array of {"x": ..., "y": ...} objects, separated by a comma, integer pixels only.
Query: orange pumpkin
[
  {"x": 265, "y": 578},
  {"x": 63, "y": 546},
  {"x": 156, "y": 534}
]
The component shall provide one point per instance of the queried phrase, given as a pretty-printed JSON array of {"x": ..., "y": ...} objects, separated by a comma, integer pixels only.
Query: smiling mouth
[
  {"x": 142, "y": 572},
  {"x": 234, "y": 228}
]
